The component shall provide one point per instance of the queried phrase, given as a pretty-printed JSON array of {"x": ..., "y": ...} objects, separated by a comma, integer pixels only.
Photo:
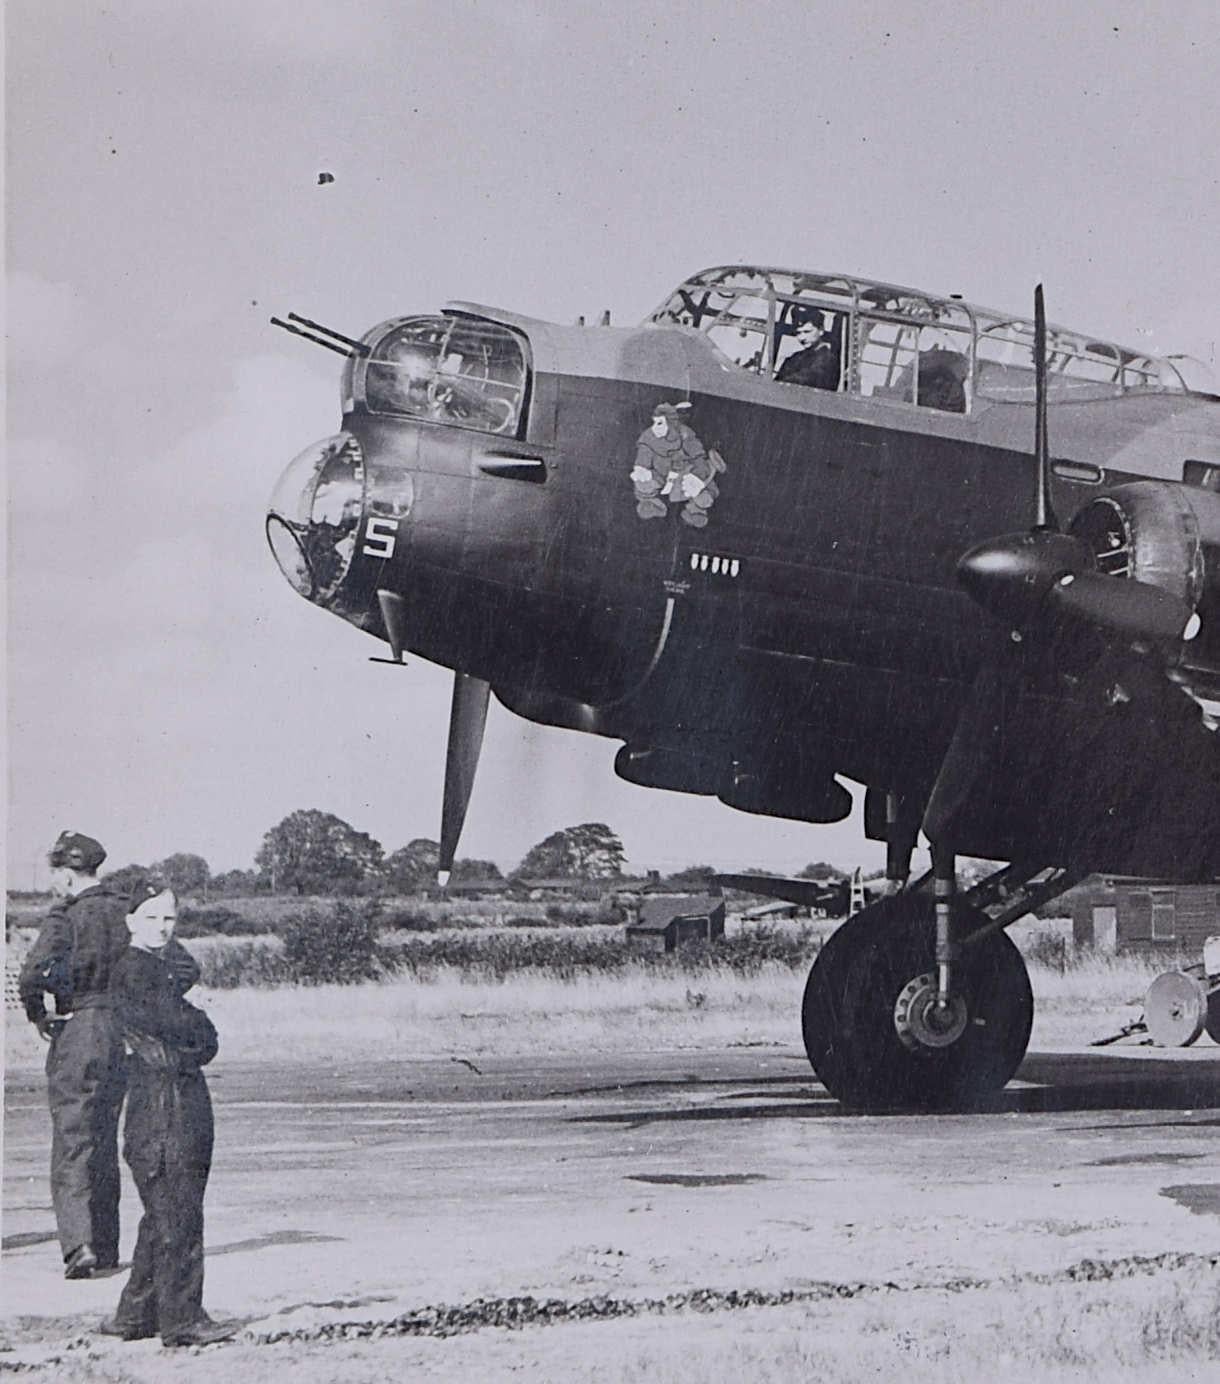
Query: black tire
[{"x": 847, "y": 1016}]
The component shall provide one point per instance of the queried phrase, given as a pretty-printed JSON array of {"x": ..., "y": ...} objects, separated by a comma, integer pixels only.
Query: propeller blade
[
  {"x": 1044, "y": 513},
  {"x": 391, "y": 617},
  {"x": 1134, "y": 609},
  {"x": 971, "y": 756},
  {"x": 467, "y": 717}
]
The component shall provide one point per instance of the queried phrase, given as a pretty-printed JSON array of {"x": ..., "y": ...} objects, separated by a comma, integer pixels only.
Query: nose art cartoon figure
[{"x": 672, "y": 467}]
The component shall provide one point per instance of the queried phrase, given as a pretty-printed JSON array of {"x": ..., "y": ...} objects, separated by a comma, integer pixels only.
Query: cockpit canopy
[
  {"x": 885, "y": 342},
  {"x": 460, "y": 371}
]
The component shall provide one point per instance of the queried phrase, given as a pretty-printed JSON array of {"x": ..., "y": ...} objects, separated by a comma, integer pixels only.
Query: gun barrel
[
  {"x": 309, "y": 336},
  {"x": 348, "y": 341}
]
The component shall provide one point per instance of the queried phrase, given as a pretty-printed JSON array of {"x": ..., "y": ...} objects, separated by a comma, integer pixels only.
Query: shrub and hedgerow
[
  {"x": 1050, "y": 949},
  {"x": 565, "y": 955},
  {"x": 588, "y": 914},
  {"x": 319, "y": 946},
  {"x": 342, "y": 945},
  {"x": 338, "y": 946},
  {"x": 201, "y": 920},
  {"x": 747, "y": 952},
  {"x": 257, "y": 964},
  {"x": 492, "y": 955},
  {"x": 412, "y": 920},
  {"x": 348, "y": 942}
]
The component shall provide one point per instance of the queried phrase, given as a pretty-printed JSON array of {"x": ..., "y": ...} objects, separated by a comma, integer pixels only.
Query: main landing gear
[{"x": 921, "y": 999}]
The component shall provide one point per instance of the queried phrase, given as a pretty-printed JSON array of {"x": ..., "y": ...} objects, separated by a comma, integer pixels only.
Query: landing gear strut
[{"x": 924, "y": 1001}]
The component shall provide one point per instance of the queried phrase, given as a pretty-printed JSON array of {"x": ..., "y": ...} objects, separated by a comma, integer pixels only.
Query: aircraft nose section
[{"x": 314, "y": 516}]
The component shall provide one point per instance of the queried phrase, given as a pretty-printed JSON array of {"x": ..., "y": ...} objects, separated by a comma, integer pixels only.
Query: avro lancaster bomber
[{"x": 798, "y": 528}]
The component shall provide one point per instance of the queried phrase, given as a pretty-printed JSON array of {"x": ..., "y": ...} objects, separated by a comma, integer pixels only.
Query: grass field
[
  {"x": 465, "y": 978},
  {"x": 465, "y": 1006}
]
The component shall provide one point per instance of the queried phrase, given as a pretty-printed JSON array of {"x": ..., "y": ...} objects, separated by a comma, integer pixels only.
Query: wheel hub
[{"x": 921, "y": 1022}]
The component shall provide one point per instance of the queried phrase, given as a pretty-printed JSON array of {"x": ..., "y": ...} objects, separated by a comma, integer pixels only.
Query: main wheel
[{"x": 872, "y": 1031}]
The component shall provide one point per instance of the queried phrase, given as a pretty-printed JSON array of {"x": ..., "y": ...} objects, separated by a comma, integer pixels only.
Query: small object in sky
[{"x": 324, "y": 178}]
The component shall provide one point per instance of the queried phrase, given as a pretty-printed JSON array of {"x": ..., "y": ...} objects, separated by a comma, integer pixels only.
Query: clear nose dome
[{"x": 314, "y": 513}]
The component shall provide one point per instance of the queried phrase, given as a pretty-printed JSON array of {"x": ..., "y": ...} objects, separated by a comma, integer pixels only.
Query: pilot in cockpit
[{"x": 817, "y": 361}]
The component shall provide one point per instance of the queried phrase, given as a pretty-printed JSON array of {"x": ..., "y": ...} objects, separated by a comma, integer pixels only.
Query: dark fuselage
[
  {"x": 819, "y": 602},
  {"x": 811, "y": 624}
]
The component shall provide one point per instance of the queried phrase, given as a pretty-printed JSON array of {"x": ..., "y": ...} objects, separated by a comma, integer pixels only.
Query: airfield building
[
  {"x": 666, "y": 922},
  {"x": 1116, "y": 914}
]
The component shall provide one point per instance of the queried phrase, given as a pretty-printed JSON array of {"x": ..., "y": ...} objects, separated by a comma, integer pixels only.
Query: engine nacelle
[{"x": 1168, "y": 535}]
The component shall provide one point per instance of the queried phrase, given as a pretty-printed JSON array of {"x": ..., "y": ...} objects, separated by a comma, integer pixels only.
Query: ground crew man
[
  {"x": 73, "y": 960},
  {"x": 167, "y": 1136}
]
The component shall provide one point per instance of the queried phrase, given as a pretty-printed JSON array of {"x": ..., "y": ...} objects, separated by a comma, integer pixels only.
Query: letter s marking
[{"x": 380, "y": 536}]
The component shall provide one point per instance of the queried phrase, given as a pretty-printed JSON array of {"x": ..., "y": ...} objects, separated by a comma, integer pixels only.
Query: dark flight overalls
[
  {"x": 816, "y": 366},
  {"x": 74, "y": 959},
  {"x": 167, "y": 1142}
]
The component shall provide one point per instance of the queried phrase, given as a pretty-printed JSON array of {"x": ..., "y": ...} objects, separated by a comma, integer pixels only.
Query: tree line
[{"x": 315, "y": 852}]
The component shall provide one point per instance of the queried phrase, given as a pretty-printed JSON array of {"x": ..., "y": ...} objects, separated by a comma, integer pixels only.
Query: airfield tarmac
[{"x": 349, "y": 1198}]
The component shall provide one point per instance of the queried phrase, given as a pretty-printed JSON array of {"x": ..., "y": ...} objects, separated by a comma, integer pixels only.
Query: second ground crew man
[{"x": 167, "y": 1136}]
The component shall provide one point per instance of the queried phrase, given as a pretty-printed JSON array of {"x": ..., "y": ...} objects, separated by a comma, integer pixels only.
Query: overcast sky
[{"x": 168, "y": 691}]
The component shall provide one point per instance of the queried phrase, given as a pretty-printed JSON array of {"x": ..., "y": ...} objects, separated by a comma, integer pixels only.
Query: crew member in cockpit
[{"x": 818, "y": 362}]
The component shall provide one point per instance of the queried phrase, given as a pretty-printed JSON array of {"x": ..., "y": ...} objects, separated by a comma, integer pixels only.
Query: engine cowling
[
  {"x": 1167, "y": 535},
  {"x": 1156, "y": 532}
]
